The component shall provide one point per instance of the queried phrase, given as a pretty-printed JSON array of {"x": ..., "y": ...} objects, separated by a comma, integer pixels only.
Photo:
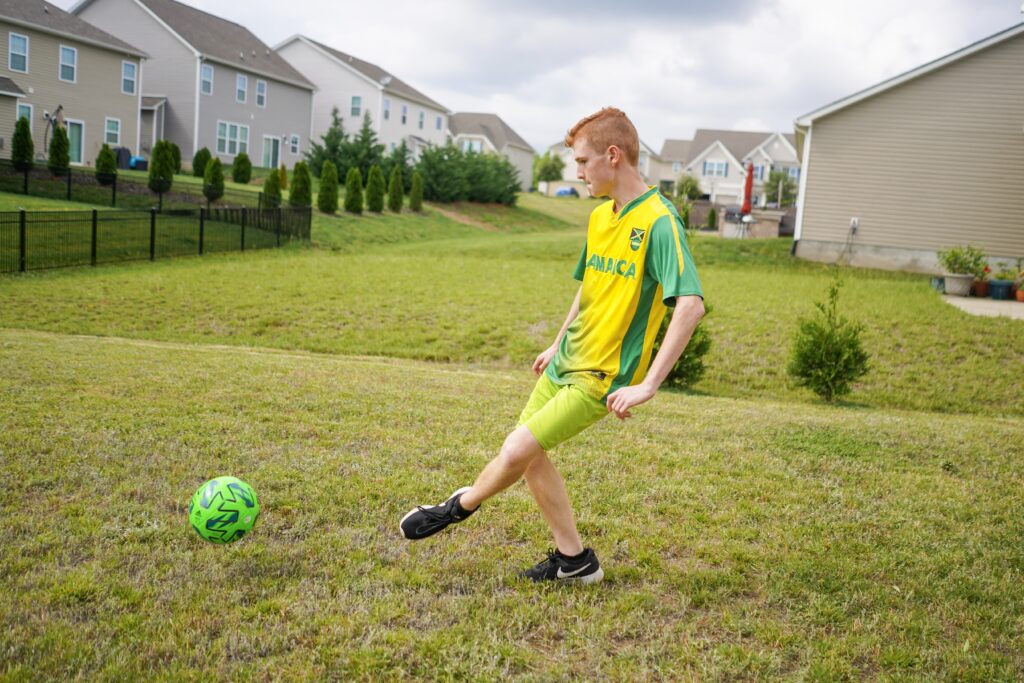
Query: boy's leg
[
  {"x": 548, "y": 489},
  {"x": 518, "y": 451}
]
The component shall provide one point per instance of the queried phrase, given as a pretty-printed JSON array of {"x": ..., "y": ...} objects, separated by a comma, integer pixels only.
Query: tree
[
  {"x": 400, "y": 158},
  {"x": 301, "y": 193},
  {"x": 363, "y": 151},
  {"x": 416, "y": 193},
  {"x": 282, "y": 177},
  {"x": 272, "y": 190},
  {"x": 712, "y": 218},
  {"x": 687, "y": 189},
  {"x": 161, "y": 169},
  {"x": 106, "y": 165},
  {"x": 827, "y": 353},
  {"x": 60, "y": 152},
  {"x": 241, "y": 170},
  {"x": 213, "y": 181},
  {"x": 176, "y": 156},
  {"x": 494, "y": 178},
  {"x": 327, "y": 197},
  {"x": 771, "y": 189},
  {"x": 395, "y": 190},
  {"x": 443, "y": 171},
  {"x": 375, "y": 190},
  {"x": 354, "y": 191},
  {"x": 22, "y": 149},
  {"x": 689, "y": 368},
  {"x": 199, "y": 162},
  {"x": 547, "y": 167},
  {"x": 329, "y": 147}
]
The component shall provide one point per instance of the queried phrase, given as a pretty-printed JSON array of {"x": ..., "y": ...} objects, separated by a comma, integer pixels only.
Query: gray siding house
[
  {"x": 59, "y": 69},
  {"x": 222, "y": 88},
  {"x": 489, "y": 133},
  {"x": 927, "y": 160}
]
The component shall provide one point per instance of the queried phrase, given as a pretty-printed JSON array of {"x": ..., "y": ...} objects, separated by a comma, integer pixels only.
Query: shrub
[
  {"x": 375, "y": 190},
  {"x": 327, "y": 198},
  {"x": 963, "y": 261},
  {"x": 60, "y": 152},
  {"x": 199, "y": 162},
  {"x": 688, "y": 370},
  {"x": 213, "y": 181},
  {"x": 161, "y": 168},
  {"x": 106, "y": 165},
  {"x": 22, "y": 149},
  {"x": 443, "y": 171},
  {"x": 416, "y": 193},
  {"x": 395, "y": 190},
  {"x": 827, "y": 353},
  {"x": 175, "y": 156},
  {"x": 712, "y": 218},
  {"x": 354, "y": 191},
  {"x": 301, "y": 193},
  {"x": 272, "y": 190},
  {"x": 493, "y": 179},
  {"x": 283, "y": 177},
  {"x": 241, "y": 170}
]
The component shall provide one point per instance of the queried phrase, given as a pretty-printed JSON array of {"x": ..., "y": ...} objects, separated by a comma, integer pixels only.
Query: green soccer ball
[{"x": 223, "y": 510}]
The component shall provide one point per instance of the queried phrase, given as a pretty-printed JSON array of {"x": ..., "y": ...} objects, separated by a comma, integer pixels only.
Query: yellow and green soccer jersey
[{"x": 633, "y": 266}]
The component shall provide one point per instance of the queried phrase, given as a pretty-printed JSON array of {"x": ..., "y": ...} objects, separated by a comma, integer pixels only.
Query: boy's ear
[{"x": 614, "y": 155}]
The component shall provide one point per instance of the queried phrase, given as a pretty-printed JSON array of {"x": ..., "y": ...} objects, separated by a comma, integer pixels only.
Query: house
[
  {"x": 356, "y": 88},
  {"x": 649, "y": 164},
  {"x": 58, "y": 68},
  {"x": 222, "y": 87},
  {"x": 674, "y": 155},
  {"x": 926, "y": 160},
  {"x": 489, "y": 133}
]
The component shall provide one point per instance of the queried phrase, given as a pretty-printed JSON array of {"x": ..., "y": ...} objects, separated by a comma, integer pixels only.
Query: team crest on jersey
[{"x": 636, "y": 238}]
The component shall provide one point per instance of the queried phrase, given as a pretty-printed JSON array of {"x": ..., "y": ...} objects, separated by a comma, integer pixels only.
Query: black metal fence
[
  {"x": 82, "y": 185},
  {"x": 32, "y": 240}
]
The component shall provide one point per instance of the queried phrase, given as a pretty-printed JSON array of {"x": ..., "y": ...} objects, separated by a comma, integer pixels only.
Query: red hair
[{"x": 609, "y": 126}]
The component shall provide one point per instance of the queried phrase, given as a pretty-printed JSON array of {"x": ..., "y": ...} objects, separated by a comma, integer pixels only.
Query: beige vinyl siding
[
  {"x": 934, "y": 162},
  {"x": 8, "y": 112},
  {"x": 94, "y": 96},
  {"x": 171, "y": 69},
  {"x": 146, "y": 137}
]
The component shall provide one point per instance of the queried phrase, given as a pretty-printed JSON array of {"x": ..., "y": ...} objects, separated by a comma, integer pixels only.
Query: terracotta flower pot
[
  {"x": 980, "y": 288},
  {"x": 1020, "y": 295}
]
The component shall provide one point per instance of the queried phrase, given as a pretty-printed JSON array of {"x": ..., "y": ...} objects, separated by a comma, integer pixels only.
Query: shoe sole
[{"x": 415, "y": 510}]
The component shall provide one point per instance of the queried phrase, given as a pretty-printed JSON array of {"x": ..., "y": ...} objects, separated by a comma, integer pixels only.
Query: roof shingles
[
  {"x": 50, "y": 18},
  {"x": 490, "y": 126}
]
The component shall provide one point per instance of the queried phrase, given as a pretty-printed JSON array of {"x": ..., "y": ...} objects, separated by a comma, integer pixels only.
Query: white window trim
[
  {"x": 60, "y": 63},
  {"x": 210, "y": 67},
  {"x": 265, "y": 91},
  {"x": 106, "y": 120},
  {"x": 405, "y": 113},
  {"x": 82, "y": 155},
  {"x": 135, "y": 80},
  {"x": 297, "y": 147},
  {"x": 387, "y": 109},
  {"x": 280, "y": 149},
  {"x": 352, "y": 106},
  {"x": 10, "y": 52},
  {"x": 422, "y": 119},
  {"x": 31, "y": 113},
  {"x": 244, "y": 89},
  {"x": 227, "y": 138},
  {"x": 439, "y": 123}
]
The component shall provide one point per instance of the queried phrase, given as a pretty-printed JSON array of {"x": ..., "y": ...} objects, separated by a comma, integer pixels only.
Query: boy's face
[{"x": 594, "y": 168}]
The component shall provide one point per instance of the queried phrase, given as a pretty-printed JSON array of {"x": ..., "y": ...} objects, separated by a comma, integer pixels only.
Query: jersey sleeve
[
  {"x": 581, "y": 267},
  {"x": 670, "y": 262}
]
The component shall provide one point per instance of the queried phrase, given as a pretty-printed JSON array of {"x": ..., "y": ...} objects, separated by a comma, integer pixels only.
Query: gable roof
[
  {"x": 676, "y": 150},
  {"x": 381, "y": 77},
  {"x": 10, "y": 88},
  {"x": 985, "y": 43},
  {"x": 737, "y": 142},
  {"x": 48, "y": 18},
  {"x": 490, "y": 126}
]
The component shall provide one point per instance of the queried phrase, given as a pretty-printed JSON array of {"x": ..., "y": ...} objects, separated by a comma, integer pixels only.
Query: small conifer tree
[
  {"x": 301, "y": 193},
  {"x": 395, "y": 190},
  {"x": 175, "y": 156},
  {"x": 712, "y": 218},
  {"x": 272, "y": 190},
  {"x": 22, "y": 149},
  {"x": 241, "y": 170},
  {"x": 161, "y": 169},
  {"x": 416, "y": 193},
  {"x": 689, "y": 368},
  {"x": 283, "y": 177},
  {"x": 60, "y": 152},
  {"x": 213, "y": 181},
  {"x": 327, "y": 198},
  {"x": 199, "y": 162},
  {"x": 375, "y": 190},
  {"x": 354, "y": 191},
  {"x": 106, "y": 165}
]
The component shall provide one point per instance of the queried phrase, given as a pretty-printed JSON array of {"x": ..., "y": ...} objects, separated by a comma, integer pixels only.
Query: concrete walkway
[{"x": 989, "y": 308}]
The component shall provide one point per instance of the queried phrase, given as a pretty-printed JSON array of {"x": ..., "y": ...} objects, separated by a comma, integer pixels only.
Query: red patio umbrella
[{"x": 748, "y": 190}]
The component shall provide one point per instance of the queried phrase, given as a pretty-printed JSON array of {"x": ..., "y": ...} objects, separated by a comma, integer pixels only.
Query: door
[
  {"x": 76, "y": 140},
  {"x": 271, "y": 152}
]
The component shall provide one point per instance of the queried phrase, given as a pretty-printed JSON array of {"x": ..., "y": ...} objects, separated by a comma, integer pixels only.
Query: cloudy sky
[{"x": 673, "y": 66}]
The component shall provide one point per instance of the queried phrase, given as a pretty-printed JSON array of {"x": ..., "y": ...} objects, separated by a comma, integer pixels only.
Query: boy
[{"x": 634, "y": 265}]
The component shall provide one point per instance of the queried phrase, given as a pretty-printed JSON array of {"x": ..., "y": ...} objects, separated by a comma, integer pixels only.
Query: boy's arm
[
  {"x": 547, "y": 354},
  {"x": 688, "y": 312}
]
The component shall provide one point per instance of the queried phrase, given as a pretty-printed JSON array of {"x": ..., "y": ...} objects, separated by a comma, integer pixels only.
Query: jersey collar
[{"x": 634, "y": 203}]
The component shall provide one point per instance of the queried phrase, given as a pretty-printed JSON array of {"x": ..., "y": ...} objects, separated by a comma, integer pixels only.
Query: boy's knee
[{"x": 520, "y": 449}]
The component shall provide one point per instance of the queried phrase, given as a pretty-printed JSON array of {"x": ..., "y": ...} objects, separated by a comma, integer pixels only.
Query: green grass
[{"x": 748, "y": 531}]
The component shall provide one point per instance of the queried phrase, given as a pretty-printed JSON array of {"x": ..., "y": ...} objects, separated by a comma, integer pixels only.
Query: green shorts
[{"x": 556, "y": 413}]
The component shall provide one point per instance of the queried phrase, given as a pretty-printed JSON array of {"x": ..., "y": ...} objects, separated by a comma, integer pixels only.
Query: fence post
[
  {"x": 152, "y": 234},
  {"x": 259, "y": 201},
  {"x": 94, "y": 225},
  {"x": 243, "y": 228},
  {"x": 113, "y": 192},
  {"x": 21, "y": 239},
  {"x": 69, "y": 183},
  {"x": 25, "y": 188},
  {"x": 277, "y": 227},
  {"x": 202, "y": 225}
]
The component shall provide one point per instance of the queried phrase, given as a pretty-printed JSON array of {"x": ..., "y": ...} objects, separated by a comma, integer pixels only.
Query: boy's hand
[
  {"x": 543, "y": 359},
  {"x": 620, "y": 401}
]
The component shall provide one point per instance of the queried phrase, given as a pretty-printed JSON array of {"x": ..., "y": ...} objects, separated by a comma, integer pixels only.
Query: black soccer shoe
[
  {"x": 427, "y": 521},
  {"x": 559, "y": 568}
]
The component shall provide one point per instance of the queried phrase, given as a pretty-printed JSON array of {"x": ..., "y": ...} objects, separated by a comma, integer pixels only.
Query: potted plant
[
  {"x": 981, "y": 283},
  {"x": 1001, "y": 283},
  {"x": 961, "y": 265}
]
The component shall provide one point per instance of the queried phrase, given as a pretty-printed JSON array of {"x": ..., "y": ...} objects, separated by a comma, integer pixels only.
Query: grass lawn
[{"x": 748, "y": 531}]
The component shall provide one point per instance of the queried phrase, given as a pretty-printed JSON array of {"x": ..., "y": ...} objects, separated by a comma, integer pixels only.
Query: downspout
[{"x": 802, "y": 193}]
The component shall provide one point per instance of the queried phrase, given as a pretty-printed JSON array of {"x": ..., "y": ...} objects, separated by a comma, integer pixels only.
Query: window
[
  {"x": 17, "y": 52},
  {"x": 405, "y": 113},
  {"x": 357, "y": 105},
  {"x": 472, "y": 145},
  {"x": 716, "y": 168},
  {"x": 24, "y": 112},
  {"x": 128, "y": 70},
  {"x": 422, "y": 116},
  {"x": 68, "y": 63},
  {"x": 439, "y": 123},
  {"x": 206, "y": 78},
  {"x": 112, "y": 131},
  {"x": 293, "y": 144},
  {"x": 758, "y": 172},
  {"x": 794, "y": 172},
  {"x": 241, "y": 88},
  {"x": 677, "y": 166},
  {"x": 232, "y": 138},
  {"x": 387, "y": 109},
  {"x": 261, "y": 93}
]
